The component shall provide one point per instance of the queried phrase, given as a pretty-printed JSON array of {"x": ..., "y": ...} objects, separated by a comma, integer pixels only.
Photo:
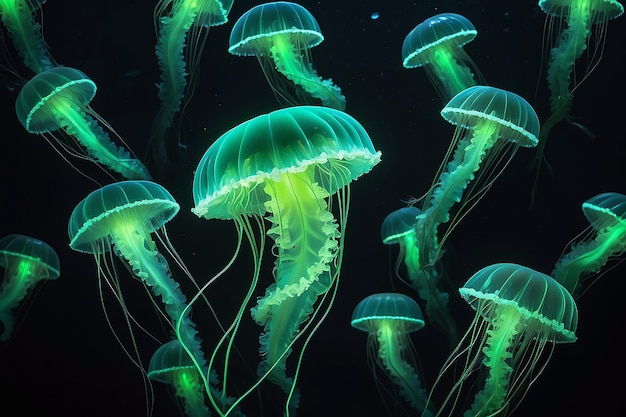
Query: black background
[{"x": 63, "y": 358}]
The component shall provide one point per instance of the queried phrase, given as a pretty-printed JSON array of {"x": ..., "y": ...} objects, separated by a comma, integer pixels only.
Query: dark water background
[{"x": 63, "y": 359}]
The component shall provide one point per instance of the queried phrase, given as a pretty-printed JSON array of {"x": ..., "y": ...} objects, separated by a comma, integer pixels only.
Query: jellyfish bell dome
[
  {"x": 601, "y": 10},
  {"x": 451, "y": 30},
  {"x": 398, "y": 224},
  {"x": 387, "y": 307},
  {"x": 58, "y": 83},
  {"x": 606, "y": 209},
  {"x": 18, "y": 248}
]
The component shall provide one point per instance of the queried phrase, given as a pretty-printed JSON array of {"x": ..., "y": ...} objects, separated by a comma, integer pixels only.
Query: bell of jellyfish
[
  {"x": 183, "y": 27},
  {"x": 281, "y": 34},
  {"x": 581, "y": 25},
  {"x": 171, "y": 364},
  {"x": 520, "y": 315},
  {"x": 284, "y": 168},
  {"x": 436, "y": 44},
  {"x": 398, "y": 228},
  {"x": 120, "y": 219},
  {"x": 491, "y": 125},
  {"x": 26, "y": 261},
  {"x": 606, "y": 214},
  {"x": 19, "y": 18},
  {"x": 55, "y": 104},
  {"x": 388, "y": 319}
]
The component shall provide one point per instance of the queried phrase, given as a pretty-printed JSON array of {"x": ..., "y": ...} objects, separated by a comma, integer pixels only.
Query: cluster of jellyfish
[{"x": 286, "y": 175}]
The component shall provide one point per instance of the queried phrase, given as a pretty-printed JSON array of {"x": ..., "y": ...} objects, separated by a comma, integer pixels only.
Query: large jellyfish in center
[
  {"x": 58, "y": 100},
  {"x": 520, "y": 313},
  {"x": 183, "y": 26},
  {"x": 284, "y": 168},
  {"x": 26, "y": 261},
  {"x": 281, "y": 34}
]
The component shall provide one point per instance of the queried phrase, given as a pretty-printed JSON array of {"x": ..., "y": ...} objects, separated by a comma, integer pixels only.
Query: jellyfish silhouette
[
  {"x": 491, "y": 123},
  {"x": 57, "y": 100},
  {"x": 606, "y": 213},
  {"x": 26, "y": 261},
  {"x": 388, "y": 318},
  {"x": 171, "y": 364},
  {"x": 18, "y": 16},
  {"x": 286, "y": 166},
  {"x": 520, "y": 315},
  {"x": 580, "y": 17},
  {"x": 436, "y": 44},
  {"x": 281, "y": 34},
  {"x": 183, "y": 27},
  {"x": 399, "y": 228}
]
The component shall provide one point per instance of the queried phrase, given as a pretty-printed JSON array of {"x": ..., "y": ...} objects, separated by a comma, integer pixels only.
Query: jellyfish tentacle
[
  {"x": 501, "y": 337},
  {"x": 401, "y": 372},
  {"x": 187, "y": 386},
  {"x": 26, "y": 34},
  {"x": 289, "y": 63},
  {"x": 99, "y": 146},
  {"x": 306, "y": 237}
]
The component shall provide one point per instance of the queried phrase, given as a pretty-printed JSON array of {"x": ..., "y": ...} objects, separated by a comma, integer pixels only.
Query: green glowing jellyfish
[
  {"x": 58, "y": 100},
  {"x": 183, "y": 27},
  {"x": 388, "y": 318},
  {"x": 490, "y": 123},
  {"x": 579, "y": 20},
  {"x": 171, "y": 364},
  {"x": 437, "y": 44},
  {"x": 520, "y": 315},
  {"x": 120, "y": 217},
  {"x": 281, "y": 34},
  {"x": 26, "y": 261},
  {"x": 18, "y": 16},
  {"x": 285, "y": 167},
  {"x": 398, "y": 228},
  {"x": 606, "y": 213}
]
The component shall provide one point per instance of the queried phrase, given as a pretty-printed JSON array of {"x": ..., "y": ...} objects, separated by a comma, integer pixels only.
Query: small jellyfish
[
  {"x": 437, "y": 44},
  {"x": 281, "y": 34},
  {"x": 26, "y": 261},
  {"x": 388, "y": 318},
  {"x": 520, "y": 314},
  {"x": 56, "y": 102},
  {"x": 606, "y": 213}
]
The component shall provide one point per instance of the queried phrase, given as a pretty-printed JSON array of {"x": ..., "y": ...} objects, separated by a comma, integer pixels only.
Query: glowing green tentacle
[
  {"x": 305, "y": 235},
  {"x": 96, "y": 141},
  {"x": 390, "y": 347},
  {"x": 139, "y": 250},
  {"x": 188, "y": 386},
  {"x": 17, "y": 282},
  {"x": 454, "y": 76},
  {"x": 502, "y": 335},
  {"x": 589, "y": 257},
  {"x": 17, "y": 17},
  {"x": 289, "y": 62}
]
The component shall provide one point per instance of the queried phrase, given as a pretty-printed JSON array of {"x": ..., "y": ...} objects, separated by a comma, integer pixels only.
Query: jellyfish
[
  {"x": 281, "y": 34},
  {"x": 437, "y": 44},
  {"x": 490, "y": 123},
  {"x": 388, "y": 319},
  {"x": 285, "y": 167},
  {"x": 580, "y": 17},
  {"x": 606, "y": 213},
  {"x": 171, "y": 364},
  {"x": 18, "y": 16},
  {"x": 183, "y": 26},
  {"x": 26, "y": 261},
  {"x": 121, "y": 217},
  {"x": 398, "y": 228},
  {"x": 58, "y": 100},
  {"x": 521, "y": 314}
]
